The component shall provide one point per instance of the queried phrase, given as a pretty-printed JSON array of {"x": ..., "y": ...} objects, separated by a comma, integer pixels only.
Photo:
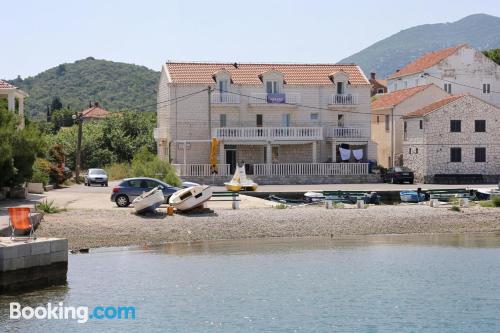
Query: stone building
[
  {"x": 280, "y": 119},
  {"x": 11, "y": 93},
  {"x": 458, "y": 69},
  {"x": 387, "y": 123},
  {"x": 378, "y": 86},
  {"x": 456, "y": 135}
]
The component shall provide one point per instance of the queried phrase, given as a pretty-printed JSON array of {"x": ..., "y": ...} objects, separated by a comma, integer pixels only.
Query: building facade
[
  {"x": 378, "y": 86},
  {"x": 279, "y": 119},
  {"x": 11, "y": 93},
  {"x": 459, "y": 134},
  {"x": 458, "y": 69},
  {"x": 387, "y": 124}
]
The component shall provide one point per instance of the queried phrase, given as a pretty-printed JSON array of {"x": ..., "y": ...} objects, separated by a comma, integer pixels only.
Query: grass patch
[
  {"x": 455, "y": 208},
  {"x": 281, "y": 206},
  {"x": 48, "y": 207}
]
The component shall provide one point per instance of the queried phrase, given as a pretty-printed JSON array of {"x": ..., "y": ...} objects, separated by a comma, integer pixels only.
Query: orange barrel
[{"x": 170, "y": 210}]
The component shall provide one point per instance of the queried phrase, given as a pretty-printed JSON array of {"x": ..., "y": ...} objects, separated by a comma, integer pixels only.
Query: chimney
[
  {"x": 372, "y": 74},
  {"x": 96, "y": 104}
]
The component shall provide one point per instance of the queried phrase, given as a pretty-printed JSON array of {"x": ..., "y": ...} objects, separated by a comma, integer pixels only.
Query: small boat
[
  {"x": 486, "y": 193},
  {"x": 411, "y": 196},
  {"x": 314, "y": 196},
  {"x": 148, "y": 201},
  {"x": 191, "y": 197},
  {"x": 240, "y": 181}
]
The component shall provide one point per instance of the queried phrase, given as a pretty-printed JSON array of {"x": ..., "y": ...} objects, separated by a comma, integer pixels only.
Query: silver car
[{"x": 96, "y": 176}]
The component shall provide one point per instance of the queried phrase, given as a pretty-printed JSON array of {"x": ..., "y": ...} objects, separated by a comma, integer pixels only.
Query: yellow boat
[{"x": 240, "y": 181}]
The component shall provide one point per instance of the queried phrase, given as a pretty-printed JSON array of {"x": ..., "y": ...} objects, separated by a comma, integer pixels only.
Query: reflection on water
[{"x": 410, "y": 283}]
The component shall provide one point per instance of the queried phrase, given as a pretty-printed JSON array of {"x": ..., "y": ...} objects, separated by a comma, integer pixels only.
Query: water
[{"x": 363, "y": 284}]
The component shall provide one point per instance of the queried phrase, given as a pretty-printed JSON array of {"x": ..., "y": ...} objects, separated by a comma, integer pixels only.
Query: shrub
[
  {"x": 118, "y": 171},
  {"x": 48, "y": 207},
  {"x": 495, "y": 200},
  {"x": 281, "y": 206},
  {"x": 41, "y": 171},
  {"x": 147, "y": 164},
  {"x": 455, "y": 208}
]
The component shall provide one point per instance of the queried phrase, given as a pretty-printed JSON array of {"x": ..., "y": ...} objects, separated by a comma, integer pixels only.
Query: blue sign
[{"x": 276, "y": 98}]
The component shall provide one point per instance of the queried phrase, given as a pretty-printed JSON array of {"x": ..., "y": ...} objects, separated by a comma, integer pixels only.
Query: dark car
[
  {"x": 131, "y": 188},
  {"x": 398, "y": 175}
]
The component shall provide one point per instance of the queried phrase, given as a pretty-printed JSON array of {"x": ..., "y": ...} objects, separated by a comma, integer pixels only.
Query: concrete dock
[{"x": 31, "y": 264}]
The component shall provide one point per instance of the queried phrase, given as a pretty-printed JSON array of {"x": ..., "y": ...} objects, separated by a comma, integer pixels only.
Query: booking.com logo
[{"x": 81, "y": 313}]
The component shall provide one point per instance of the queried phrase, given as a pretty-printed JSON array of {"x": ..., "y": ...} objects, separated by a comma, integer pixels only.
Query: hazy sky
[{"x": 37, "y": 35}]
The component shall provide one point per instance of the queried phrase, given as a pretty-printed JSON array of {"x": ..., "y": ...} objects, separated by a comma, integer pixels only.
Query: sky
[{"x": 37, "y": 35}]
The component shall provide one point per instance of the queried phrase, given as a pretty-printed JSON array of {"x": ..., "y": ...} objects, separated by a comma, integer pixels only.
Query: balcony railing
[
  {"x": 344, "y": 99},
  {"x": 310, "y": 169},
  {"x": 200, "y": 170},
  {"x": 268, "y": 133},
  {"x": 280, "y": 98},
  {"x": 348, "y": 132},
  {"x": 225, "y": 98}
]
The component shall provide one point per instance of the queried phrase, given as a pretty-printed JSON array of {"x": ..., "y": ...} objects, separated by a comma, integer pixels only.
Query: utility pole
[
  {"x": 209, "y": 112},
  {"x": 392, "y": 137},
  {"x": 78, "y": 118}
]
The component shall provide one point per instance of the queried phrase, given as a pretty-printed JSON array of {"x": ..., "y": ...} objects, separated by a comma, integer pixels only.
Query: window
[
  {"x": 272, "y": 87},
  {"x": 480, "y": 125},
  {"x": 223, "y": 86},
  {"x": 378, "y": 120},
  {"x": 405, "y": 84},
  {"x": 455, "y": 126},
  {"x": 340, "y": 120},
  {"x": 480, "y": 154},
  {"x": 285, "y": 120},
  {"x": 380, "y": 90},
  {"x": 340, "y": 88},
  {"x": 455, "y": 154},
  {"x": 395, "y": 88},
  {"x": 486, "y": 88},
  {"x": 314, "y": 116},
  {"x": 447, "y": 88},
  {"x": 387, "y": 123},
  {"x": 405, "y": 132},
  {"x": 421, "y": 124},
  {"x": 259, "y": 120},
  {"x": 416, "y": 82},
  {"x": 416, "y": 150},
  {"x": 409, "y": 151},
  {"x": 223, "y": 120}
]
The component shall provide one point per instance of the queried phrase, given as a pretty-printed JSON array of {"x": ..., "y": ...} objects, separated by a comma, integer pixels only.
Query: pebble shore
[{"x": 120, "y": 227}]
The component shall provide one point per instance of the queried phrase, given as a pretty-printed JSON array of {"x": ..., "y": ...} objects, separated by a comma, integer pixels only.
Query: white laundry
[
  {"x": 345, "y": 154},
  {"x": 358, "y": 154}
]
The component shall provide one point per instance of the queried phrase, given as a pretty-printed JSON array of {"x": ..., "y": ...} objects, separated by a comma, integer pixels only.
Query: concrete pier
[{"x": 32, "y": 264}]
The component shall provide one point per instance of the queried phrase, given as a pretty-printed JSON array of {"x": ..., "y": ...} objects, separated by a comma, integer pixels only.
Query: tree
[
  {"x": 493, "y": 54},
  {"x": 62, "y": 118},
  {"x": 56, "y": 104}
]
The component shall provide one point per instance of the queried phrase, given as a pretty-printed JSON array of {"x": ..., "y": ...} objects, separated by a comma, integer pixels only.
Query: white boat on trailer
[
  {"x": 191, "y": 197},
  {"x": 148, "y": 201}
]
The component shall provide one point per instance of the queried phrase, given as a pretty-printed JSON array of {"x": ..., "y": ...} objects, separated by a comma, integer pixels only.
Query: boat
[
  {"x": 191, "y": 197},
  {"x": 314, "y": 196},
  {"x": 148, "y": 201},
  {"x": 411, "y": 196},
  {"x": 486, "y": 193},
  {"x": 240, "y": 181}
]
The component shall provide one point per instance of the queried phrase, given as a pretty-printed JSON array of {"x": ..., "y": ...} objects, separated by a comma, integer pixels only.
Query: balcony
[
  {"x": 348, "y": 132},
  {"x": 343, "y": 100},
  {"x": 268, "y": 133},
  {"x": 275, "y": 99},
  {"x": 225, "y": 98}
]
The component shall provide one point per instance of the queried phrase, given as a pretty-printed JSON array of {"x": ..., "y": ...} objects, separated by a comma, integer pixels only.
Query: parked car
[
  {"x": 131, "y": 188},
  {"x": 95, "y": 176},
  {"x": 398, "y": 175}
]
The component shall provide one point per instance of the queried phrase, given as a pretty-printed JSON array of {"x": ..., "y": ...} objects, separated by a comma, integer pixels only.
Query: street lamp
[{"x": 77, "y": 117}]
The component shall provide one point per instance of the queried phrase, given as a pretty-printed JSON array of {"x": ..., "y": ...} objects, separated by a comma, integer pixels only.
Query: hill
[
  {"x": 115, "y": 85},
  {"x": 384, "y": 57}
]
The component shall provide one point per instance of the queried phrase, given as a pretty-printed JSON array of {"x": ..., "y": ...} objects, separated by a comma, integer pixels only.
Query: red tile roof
[
  {"x": 394, "y": 98},
  {"x": 5, "y": 85},
  {"x": 426, "y": 61},
  {"x": 434, "y": 106},
  {"x": 248, "y": 73},
  {"x": 95, "y": 112}
]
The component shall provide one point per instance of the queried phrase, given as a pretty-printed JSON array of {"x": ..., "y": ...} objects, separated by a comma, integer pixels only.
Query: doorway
[{"x": 231, "y": 158}]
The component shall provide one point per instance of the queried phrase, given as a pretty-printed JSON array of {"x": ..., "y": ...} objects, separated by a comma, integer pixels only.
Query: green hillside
[
  {"x": 115, "y": 85},
  {"x": 384, "y": 57}
]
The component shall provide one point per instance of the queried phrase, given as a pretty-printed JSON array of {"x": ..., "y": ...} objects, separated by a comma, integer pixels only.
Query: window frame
[
  {"x": 453, "y": 154},
  {"x": 454, "y": 129},
  {"x": 476, "y": 155},
  {"x": 480, "y": 121}
]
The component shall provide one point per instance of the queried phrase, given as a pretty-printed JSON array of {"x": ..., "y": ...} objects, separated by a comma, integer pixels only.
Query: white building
[
  {"x": 458, "y": 69},
  {"x": 12, "y": 93},
  {"x": 280, "y": 119},
  {"x": 455, "y": 136}
]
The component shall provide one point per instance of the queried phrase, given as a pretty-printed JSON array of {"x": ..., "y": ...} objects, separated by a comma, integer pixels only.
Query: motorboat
[
  {"x": 240, "y": 181},
  {"x": 191, "y": 197},
  {"x": 148, "y": 201},
  {"x": 486, "y": 193},
  {"x": 314, "y": 196},
  {"x": 411, "y": 196}
]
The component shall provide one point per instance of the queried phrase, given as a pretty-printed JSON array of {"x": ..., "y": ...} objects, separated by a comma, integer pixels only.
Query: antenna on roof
[{"x": 235, "y": 65}]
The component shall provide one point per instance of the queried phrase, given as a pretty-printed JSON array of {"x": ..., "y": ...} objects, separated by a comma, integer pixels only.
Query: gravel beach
[{"x": 120, "y": 227}]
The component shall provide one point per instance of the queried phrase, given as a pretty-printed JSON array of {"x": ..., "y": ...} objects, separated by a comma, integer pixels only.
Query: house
[
  {"x": 280, "y": 119},
  {"x": 387, "y": 123},
  {"x": 458, "y": 134},
  {"x": 11, "y": 93},
  {"x": 458, "y": 69},
  {"x": 95, "y": 112},
  {"x": 378, "y": 86}
]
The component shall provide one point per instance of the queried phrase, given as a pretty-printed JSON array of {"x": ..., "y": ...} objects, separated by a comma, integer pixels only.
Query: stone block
[
  {"x": 40, "y": 247},
  {"x": 59, "y": 256},
  {"x": 32, "y": 261},
  {"x": 45, "y": 259},
  {"x": 59, "y": 245}
]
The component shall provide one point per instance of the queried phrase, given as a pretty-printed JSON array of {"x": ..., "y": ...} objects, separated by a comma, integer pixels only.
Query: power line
[{"x": 459, "y": 84}]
